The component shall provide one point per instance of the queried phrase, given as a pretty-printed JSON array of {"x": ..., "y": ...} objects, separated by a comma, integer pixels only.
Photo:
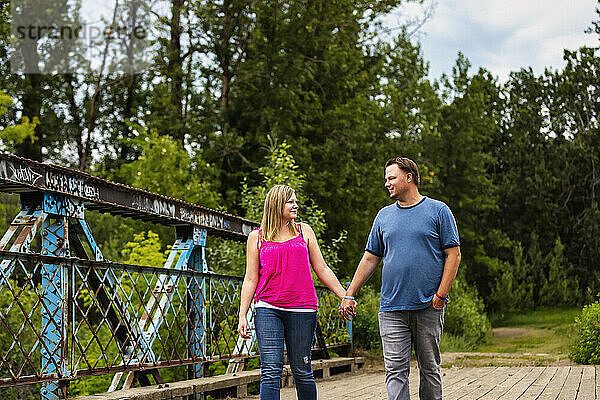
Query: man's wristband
[
  {"x": 349, "y": 297},
  {"x": 442, "y": 298}
]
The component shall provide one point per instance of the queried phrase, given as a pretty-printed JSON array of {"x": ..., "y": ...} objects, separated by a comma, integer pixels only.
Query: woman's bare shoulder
[
  {"x": 253, "y": 236},
  {"x": 306, "y": 228}
]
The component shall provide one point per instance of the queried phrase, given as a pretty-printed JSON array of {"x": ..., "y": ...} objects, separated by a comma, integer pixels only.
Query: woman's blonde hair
[{"x": 273, "y": 212}]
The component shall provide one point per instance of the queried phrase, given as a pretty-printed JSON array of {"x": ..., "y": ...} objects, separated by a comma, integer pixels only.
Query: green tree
[
  {"x": 15, "y": 134},
  {"x": 561, "y": 287},
  {"x": 513, "y": 289},
  {"x": 460, "y": 155},
  {"x": 465, "y": 313},
  {"x": 280, "y": 168},
  {"x": 573, "y": 109},
  {"x": 165, "y": 167},
  {"x": 527, "y": 174},
  {"x": 145, "y": 249},
  {"x": 312, "y": 74}
]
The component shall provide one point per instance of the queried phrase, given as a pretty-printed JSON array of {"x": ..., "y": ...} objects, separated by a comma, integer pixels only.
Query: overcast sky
[{"x": 504, "y": 35}]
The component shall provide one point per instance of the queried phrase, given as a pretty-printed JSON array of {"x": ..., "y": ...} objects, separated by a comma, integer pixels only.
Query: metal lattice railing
[
  {"x": 119, "y": 318},
  {"x": 65, "y": 313},
  {"x": 335, "y": 330}
]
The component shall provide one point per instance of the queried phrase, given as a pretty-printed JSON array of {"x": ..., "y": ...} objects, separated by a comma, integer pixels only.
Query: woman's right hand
[
  {"x": 347, "y": 309},
  {"x": 243, "y": 328}
]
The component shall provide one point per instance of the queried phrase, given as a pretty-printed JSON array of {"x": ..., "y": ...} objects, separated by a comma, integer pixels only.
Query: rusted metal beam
[{"x": 20, "y": 175}]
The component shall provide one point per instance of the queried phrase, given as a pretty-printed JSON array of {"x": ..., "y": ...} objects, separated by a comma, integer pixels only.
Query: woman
[{"x": 278, "y": 260}]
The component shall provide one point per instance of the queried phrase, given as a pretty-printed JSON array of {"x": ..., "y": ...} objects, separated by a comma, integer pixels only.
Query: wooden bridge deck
[{"x": 490, "y": 383}]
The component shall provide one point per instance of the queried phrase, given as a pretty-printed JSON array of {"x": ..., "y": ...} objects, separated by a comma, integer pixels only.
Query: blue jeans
[
  {"x": 400, "y": 331},
  {"x": 273, "y": 327}
]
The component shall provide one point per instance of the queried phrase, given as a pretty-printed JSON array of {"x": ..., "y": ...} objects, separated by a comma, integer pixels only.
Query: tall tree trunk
[
  {"x": 175, "y": 69},
  {"x": 75, "y": 113},
  {"x": 125, "y": 149},
  {"x": 32, "y": 99}
]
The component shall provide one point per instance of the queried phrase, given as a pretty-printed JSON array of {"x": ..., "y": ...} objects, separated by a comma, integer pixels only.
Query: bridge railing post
[
  {"x": 197, "y": 332},
  {"x": 54, "y": 291},
  {"x": 350, "y": 341}
]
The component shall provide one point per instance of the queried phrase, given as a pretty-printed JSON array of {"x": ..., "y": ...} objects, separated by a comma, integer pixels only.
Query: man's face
[{"x": 396, "y": 181}]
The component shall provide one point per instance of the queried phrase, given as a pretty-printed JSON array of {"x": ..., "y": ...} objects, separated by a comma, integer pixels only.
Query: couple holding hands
[{"x": 417, "y": 239}]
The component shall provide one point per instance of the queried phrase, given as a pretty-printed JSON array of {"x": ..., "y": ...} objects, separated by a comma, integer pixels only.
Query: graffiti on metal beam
[
  {"x": 15, "y": 171},
  {"x": 203, "y": 218},
  {"x": 246, "y": 229},
  {"x": 71, "y": 184},
  {"x": 157, "y": 206},
  {"x": 19, "y": 173}
]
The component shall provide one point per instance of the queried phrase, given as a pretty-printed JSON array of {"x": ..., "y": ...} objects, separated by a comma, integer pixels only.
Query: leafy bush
[
  {"x": 465, "y": 318},
  {"x": 465, "y": 315},
  {"x": 365, "y": 326},
  {"x": 586, "y": 349}
]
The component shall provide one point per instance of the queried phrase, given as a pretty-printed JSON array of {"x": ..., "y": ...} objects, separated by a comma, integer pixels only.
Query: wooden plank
[
  {"x": 571, "y": 386},
  {"x": 453, "y": 379},
  {"x": 462, "y": 376},
  {"x": 598, "y": 383},
  {"x": 515, "y": 375},
  {"x": 190, "y": 386},
  {"x": 553, "y": 388},
  {"x": 472, "y": 383},
  {"x": 451, "y": 375},
  {"x": 587, "y": 386},
  {"x": 372, "y": 390},
  {"x": 540, "y": 384},
  {"x": 484, "y": 386},
  {"x": 413, "y": 383},
  {"x": 520, "y": 387},
  {"x": 471, "y": 375},
  {"x": 239, "y": 379},
  {"x": 355, "y": 387}
]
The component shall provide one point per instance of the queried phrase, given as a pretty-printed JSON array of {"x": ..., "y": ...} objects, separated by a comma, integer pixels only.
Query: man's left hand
[
  {"x": 437, "y": 303},
  {"x": 347, "y": 309}
]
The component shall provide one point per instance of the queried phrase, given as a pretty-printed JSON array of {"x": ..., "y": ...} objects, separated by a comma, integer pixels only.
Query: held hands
[
  {"x": 347, "y": 308},
  {"x": 243, "y": 328}
]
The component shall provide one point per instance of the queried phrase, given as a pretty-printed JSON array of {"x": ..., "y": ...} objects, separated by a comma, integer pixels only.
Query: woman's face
[{"x": 290, "y": 209}]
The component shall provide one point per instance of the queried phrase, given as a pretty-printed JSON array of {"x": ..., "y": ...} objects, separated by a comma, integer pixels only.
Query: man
[{"x": 418, "y": 240}]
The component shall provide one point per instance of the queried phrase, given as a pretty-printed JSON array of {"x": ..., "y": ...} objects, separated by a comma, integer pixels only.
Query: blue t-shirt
[{"x": 411, "y": 241}]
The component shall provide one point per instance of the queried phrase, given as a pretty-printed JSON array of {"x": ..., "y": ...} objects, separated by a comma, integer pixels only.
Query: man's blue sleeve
[
  {"x": 448, "y": 229},
  {"x": 375, "y": 241}
]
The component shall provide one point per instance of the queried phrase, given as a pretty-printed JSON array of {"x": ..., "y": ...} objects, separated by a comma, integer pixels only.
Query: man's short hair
[{"x": 407, "y": 165}]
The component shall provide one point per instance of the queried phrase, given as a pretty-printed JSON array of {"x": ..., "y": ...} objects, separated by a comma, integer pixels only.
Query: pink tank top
[{"x": 284, "y": 278}]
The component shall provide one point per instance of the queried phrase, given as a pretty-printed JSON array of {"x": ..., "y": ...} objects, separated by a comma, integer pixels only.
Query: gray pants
[{"x": 400, "y": 330}]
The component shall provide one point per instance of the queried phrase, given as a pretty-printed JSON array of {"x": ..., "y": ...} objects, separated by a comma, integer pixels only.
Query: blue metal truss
[
  {"x": 70, "y": 266},
  {"x": 187, "y": 252}
]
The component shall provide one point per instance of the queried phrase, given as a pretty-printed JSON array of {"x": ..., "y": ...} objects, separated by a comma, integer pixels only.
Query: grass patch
[
  {"x": 545, "y": 318},
  {"x": 528, "y": 341},
  {"x": 497, "y": 360},
  {"x": 452, "y": 343},
  {"x": 547, "y": 331}
]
